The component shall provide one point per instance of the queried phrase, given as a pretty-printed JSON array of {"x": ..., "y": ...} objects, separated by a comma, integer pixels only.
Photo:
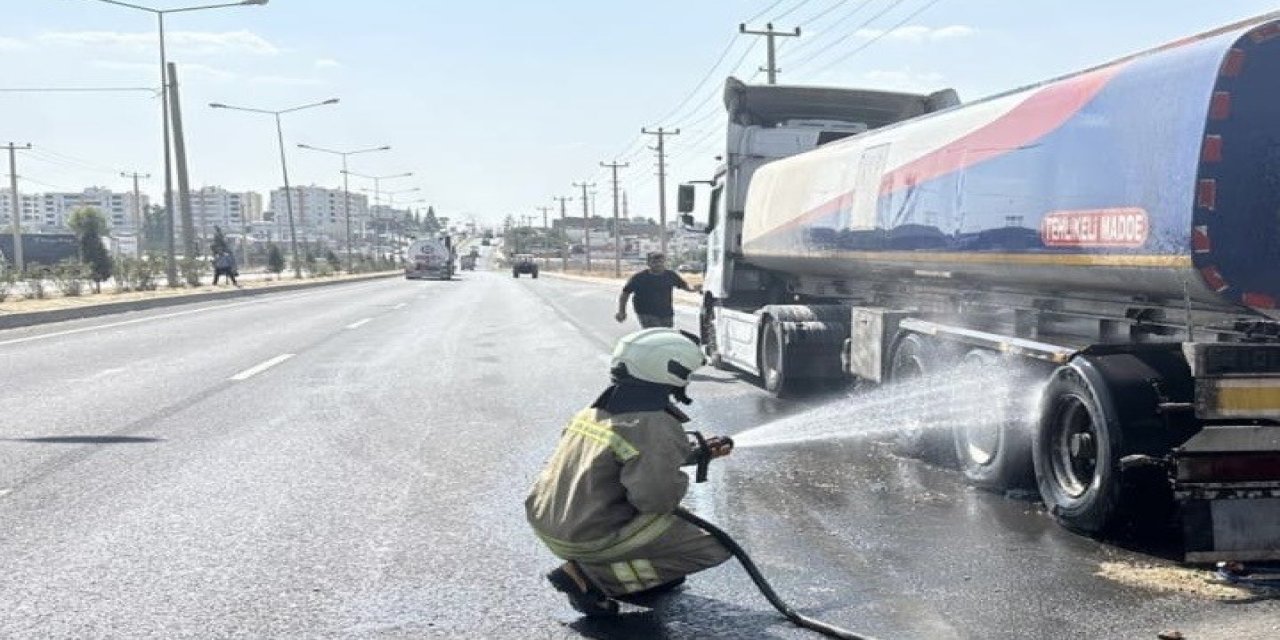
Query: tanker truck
[
  {"x": 1112, "y": 235},
  {"x": 430, "y": 258}
]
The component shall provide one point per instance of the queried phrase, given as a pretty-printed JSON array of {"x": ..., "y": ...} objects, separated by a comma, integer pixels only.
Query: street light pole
[
  {"x": 391, "y": 205},
  {"x": 377, "y": 183},
  {"x": 171, "y": 260},
  {"x": 284, "y": 168},
  {"x": 346, "y": 189}
]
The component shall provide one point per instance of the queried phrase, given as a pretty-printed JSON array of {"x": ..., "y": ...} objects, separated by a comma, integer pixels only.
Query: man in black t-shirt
[{"x": 652, "y": 290}]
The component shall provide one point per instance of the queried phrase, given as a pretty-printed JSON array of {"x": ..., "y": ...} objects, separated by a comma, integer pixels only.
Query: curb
[{"x": 16, "y": 320}]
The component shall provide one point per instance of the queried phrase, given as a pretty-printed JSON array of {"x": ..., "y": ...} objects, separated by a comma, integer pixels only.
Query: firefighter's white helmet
[{"x": 660, "y": 356}]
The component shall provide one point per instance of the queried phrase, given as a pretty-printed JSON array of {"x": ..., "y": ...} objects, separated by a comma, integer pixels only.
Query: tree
[
  {"x": 430, "y": 224},
  {"x": 333, "y": 259},
  {"x": 275, "y": 259},
  {"x": 89, "y": 226},
  {"x": 219, "y": 242}
]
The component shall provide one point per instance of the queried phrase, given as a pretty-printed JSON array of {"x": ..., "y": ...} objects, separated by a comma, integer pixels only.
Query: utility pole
[
  {"x": 586, "y": 220},
  {"x": 770, "y": 34},
  {"x": 544, "y": 211},
  {"x": 564, "y": 236},
  {"x": 662, "y": 180},
  {"x": 180, "y": 165},
  {"x": 138, "y": 226},
  {"x": 17, "y": 205},
  {"x": 617, "y": 227}
]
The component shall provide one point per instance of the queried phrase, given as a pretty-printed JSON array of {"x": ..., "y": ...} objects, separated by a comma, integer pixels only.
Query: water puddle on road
[{"x": 927, "y": 405}]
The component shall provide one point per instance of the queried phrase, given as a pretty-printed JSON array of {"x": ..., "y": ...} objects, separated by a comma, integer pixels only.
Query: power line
[
  {"x": 791, "y": 10},
  {"x": 764, "y": 11},
  {"x": 832, "y": 29},
  {"x": 822, "y": 14},
  {"x": 697, "y": 87},
  {"x": 872, "y": 41}
]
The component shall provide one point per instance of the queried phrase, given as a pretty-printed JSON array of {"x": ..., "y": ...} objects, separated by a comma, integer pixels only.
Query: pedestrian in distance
[
  {"x": 652, "y": 290},
  {"x": 605, "y": 502},
  {"x": 224, "y": 264}
]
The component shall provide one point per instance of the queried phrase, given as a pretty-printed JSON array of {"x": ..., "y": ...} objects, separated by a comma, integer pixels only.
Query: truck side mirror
[
  {"x": 686, "y": 220},
  {"x": 684, "y": 198}
]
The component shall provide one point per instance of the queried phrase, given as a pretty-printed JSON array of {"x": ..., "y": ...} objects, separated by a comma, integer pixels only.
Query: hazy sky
[{"x": 498, "y": 105}]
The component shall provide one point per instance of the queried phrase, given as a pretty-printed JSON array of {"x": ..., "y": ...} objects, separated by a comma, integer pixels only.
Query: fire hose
[{"x": 703, "y": 457}]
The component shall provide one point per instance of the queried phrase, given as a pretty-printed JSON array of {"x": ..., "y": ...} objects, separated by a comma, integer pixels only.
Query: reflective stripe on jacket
[{"x": 611, "y": 485}]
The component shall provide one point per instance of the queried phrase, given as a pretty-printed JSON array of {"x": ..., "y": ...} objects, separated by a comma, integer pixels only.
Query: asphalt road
[{"x": 351, "y": 461}]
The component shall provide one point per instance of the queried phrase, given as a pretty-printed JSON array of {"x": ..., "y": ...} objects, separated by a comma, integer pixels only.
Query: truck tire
[
  {"x": 995, "y": 453},
  {"x": 535, "y": 274},
  {"x": 1076, "y": 450},
  {"x": 919, "y": 360},
  {"x": 515, "y": 274},
  {"x": 774, "y": 365}
]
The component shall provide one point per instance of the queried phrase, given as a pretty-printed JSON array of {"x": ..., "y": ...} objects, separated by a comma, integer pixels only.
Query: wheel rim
[
  {"x": 771, "y": 357},
  {"x": 1075, "y": 446},
  {"x": 981, "y": 441}
]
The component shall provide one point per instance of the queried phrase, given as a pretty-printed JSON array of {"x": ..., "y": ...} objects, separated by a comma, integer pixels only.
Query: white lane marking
[
  {"x": 358, "y": 323},
  {"x": 401, "y": 305},
  {"x": 163, "y": 316},
  {"x": 255, "y": 370},
  {"x": 5, "y": 492}
]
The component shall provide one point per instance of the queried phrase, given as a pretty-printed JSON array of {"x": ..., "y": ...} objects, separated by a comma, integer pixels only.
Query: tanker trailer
[
  {"x": 1113, "y": 234},
  {"x": 430, "y": 258}
]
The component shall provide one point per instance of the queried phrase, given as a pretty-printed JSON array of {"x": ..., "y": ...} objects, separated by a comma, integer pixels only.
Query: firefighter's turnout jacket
[{"x": 605, "y": 500}]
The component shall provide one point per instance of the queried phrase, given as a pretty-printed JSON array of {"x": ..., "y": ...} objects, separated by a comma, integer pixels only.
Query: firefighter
[{"x": 604, "y": 501}]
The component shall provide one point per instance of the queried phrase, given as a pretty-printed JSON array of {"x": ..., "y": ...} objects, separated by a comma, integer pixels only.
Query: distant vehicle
[
  {"x": 524, "y": 263},
  {"x": 484, "y": 242},
  {"x": 468, "y": 262},
  {"x": 430, "y": 258},
  {"x": 690, "y": 267}
]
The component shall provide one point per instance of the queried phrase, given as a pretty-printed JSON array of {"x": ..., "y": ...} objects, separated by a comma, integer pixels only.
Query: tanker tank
[{"x": 1153, "y": 177}]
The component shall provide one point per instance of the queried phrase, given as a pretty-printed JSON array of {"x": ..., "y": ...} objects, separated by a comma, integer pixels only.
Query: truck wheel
[
  {"x": 515, "y": 274},
  {"x": 773, "y": 361},
  {"x": 1075, "y": 450},
  {"x": 993, "y": 450},
  {"x": 535, "y": 275},
  {"x": 918, "y": 361}
]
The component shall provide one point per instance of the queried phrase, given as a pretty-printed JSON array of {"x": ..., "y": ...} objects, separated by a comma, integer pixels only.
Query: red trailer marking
[
  {"x": 1126, "y": 227},
  {"x": 1259, "y": 300},
  {"x": 1212, "y": 149},
  {"x": 1042, "y": 112},
  {"x": 1200, "y": 239},
  {"x": 1213, "y": 278},
  {"x": 1220, "y": 106},
  {"x": 1207, "y": 193},
  {"x": 1233, "y": 64},
  {"x": 1265, "y": 32}
]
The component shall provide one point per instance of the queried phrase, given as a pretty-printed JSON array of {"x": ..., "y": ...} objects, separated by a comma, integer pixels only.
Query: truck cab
[{"x": 767, "y": 123}]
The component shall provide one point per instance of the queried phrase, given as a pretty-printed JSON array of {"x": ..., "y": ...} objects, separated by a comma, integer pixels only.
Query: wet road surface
[{"x": 350, "y": 462}]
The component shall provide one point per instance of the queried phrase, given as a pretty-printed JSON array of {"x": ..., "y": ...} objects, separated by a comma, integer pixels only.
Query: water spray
[{"x": 703, "y": 455}]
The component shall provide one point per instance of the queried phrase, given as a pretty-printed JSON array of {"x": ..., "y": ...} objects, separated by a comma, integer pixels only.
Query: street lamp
[
  {"x": 377, "y": 182},
  {"x": 346, "y": 191},
  {"x": 171, "y": 265},
  {"x": 284, "y": 167},
  {"x": 391, "y": 204}
]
